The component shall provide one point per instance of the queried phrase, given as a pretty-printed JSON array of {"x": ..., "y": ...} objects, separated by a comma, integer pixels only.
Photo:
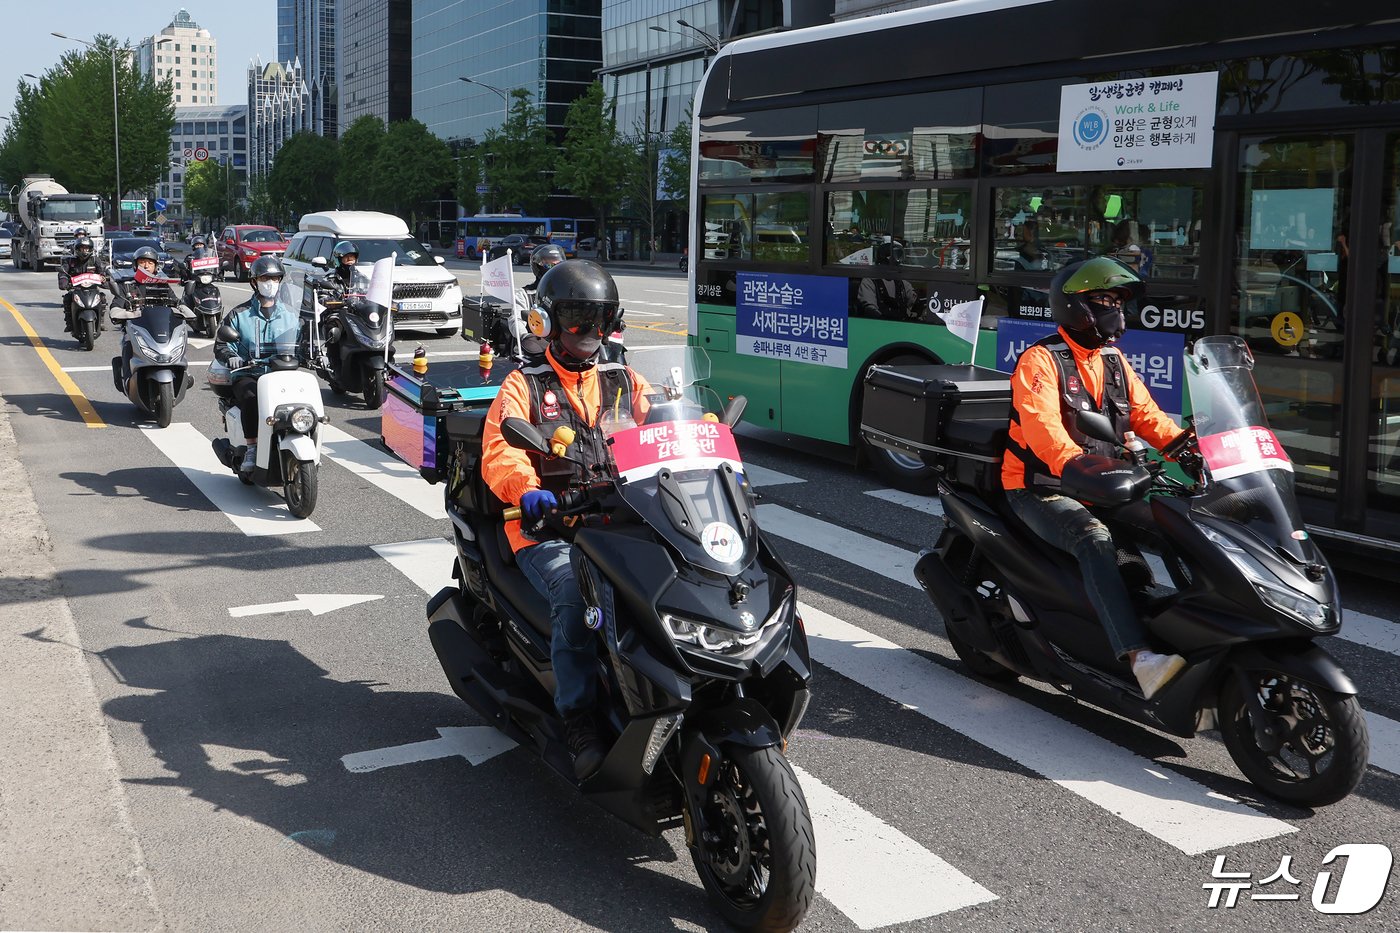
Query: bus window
[
  {"x": 728, "y": 226},
  {"x": 1152, "y": 229},
  {"x": 777, "y": 145},
  {"x": 936, "y": 228},
  {"x": 878, "y": 138},
  {"x": 1040, "y": 228},
  {"x": 780, "y": 227}
]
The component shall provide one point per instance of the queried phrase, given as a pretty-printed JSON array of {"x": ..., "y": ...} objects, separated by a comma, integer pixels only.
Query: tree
[
  {"x": 468, "y": 177},
  {"x": 414, "y": 166},
  {"x": 209, "y": 190},
  {"x": 22, "y": 146},
  {"x": 303, "y": 176},
  {"x": 675, "y": 161},
  {"x": 593, "y": 164},
  {"x": 259, "y": 208},
  {"x": 520, "y": 158},
  {"x": 643, "y": 178},
  {"x": 360, "y": 146}
]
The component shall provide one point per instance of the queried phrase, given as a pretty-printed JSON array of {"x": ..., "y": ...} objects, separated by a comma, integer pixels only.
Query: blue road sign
[{"x": 160, "y": 204}]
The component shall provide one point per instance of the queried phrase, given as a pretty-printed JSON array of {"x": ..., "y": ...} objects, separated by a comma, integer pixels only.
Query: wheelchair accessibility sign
[{"x": 1287, "y": 329}]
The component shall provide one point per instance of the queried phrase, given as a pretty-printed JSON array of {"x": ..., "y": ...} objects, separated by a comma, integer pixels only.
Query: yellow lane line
[
  {"x": 656, "y": 327},
  {"x": 69, "y": 387}
]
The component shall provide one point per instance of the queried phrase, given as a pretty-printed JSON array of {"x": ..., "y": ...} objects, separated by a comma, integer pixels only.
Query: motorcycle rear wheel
[
  {"x": 1325, "y": 746},
  {"x": 761, "y": 870},
  {"x": 300, "y": 486},
  {"x": 163, "y": 405}
]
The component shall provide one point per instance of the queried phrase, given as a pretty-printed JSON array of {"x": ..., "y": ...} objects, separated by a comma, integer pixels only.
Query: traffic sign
[
  {"x": 201, "y": 154},
  {"x": 188, "y": 152},
  {"x": 160, "y": 218},
  {"x": 1287, "y": 329},
  {"x": 136, "y": 207},
  {"x": 483, "y": 189},
  {"x": 160, "y": 204}
]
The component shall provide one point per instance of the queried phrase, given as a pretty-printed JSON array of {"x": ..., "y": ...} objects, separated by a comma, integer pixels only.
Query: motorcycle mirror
[
  {"x": 734, "y": 410},
  {"x": 520, "y": 433},
  {"x": 319, "y": 262},
  {"x": 1097, "y": 426},
  {"x": 227, "y": 334}
]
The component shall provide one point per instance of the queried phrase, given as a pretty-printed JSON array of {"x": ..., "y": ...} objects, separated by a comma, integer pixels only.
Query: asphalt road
[{"x": 941, "y": 803}]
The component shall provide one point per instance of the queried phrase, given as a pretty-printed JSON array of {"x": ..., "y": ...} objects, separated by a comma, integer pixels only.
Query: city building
[
  {"x": 306, "y": 35},
  {"x": 374, "y": 59},
  {"x": 188, "y": 55},
  {"x": 279, "y": 104},
  {"x": 552, "y": 49},
  {"x": 220, "y": 134}
]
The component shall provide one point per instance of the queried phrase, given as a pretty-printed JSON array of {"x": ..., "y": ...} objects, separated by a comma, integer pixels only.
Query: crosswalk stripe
[
  {"x": 1170, "y": 806},
  {"x": 427, "y": 563},
  {"x": 762, "y": 476},
  {"x": 929, "y": 505},
  {"x": 1385, "y": 742},
  {"x": 1371, "y": 631},
  {"x": 253, "y": 510},
  {"x": 872, "y": 872},
  {"x": 383, "y": 470}
]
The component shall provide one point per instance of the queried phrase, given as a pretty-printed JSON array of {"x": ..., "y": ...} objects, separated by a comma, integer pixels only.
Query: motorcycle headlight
[
  {"x": 302, "y": 420},
  {"x": 712, "y": 638},
  {"x": 149, "y": 350},
  {"x": 205, "y": 278},
  {"x": 1271, "y": 590}
]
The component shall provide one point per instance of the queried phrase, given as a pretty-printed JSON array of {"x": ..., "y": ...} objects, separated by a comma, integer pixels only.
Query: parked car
[
  {"x": 521, "y": 245},
  {"x": 4, "y": 244},
  {"x": 241, "y": 245},
  {"x": 426, "y": 295}
]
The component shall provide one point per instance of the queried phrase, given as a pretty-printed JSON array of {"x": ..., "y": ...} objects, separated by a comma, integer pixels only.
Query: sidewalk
[{"x": 69, "y": 857}]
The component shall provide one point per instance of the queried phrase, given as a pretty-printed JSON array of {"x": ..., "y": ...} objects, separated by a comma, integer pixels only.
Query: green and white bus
[{"x": 854, "y": 181}]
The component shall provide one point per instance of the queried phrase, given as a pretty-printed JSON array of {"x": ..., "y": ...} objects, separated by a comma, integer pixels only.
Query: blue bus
[{"x": 562, "y": 231}]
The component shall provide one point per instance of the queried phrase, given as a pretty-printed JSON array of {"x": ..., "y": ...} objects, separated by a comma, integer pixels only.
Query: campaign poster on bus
[
  {"x": 798, "y": 318},
  {"x": 1138, "y": 123},
  {"x": 1156, "y": 356}
]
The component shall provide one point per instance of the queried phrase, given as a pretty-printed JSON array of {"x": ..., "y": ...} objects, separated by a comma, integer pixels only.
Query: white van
[{"x": 426, "y": 295}]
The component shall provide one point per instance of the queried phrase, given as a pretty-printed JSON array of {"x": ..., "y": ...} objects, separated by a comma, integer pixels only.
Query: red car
[{"x": 240, "y": 246}]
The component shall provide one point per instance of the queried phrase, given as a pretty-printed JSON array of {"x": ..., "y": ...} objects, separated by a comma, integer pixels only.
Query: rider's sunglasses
[
  {"x": 1105, "y": 300},
  {"x": 586, "y": 317}
]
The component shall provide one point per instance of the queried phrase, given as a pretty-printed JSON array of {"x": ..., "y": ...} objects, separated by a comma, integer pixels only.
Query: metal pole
[{"x": 117, "y": 137}]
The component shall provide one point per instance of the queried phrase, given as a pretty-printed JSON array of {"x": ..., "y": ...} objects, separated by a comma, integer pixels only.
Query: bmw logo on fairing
[
  {"x": 747, "y": 620},
  {"x": 593, "y": 618}
]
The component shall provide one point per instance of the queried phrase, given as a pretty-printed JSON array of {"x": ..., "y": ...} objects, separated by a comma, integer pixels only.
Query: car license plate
[{"x": 415, "y": 306}]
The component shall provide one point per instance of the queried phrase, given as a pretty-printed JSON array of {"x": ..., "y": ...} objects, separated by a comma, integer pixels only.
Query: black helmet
[
  {"x": 197, "y": 243},
  {"x": 145, "y": 252},
  {"x": 545, "y": 257},
  {"x": 266, "y": 265},
  {"x": 1089, "y": 324},
  {"x": 344, "y": 248},
  {"x": 889, "y": 253},
  {"x": 82, "y": 243},
  {"x": 577, "y": 305}
]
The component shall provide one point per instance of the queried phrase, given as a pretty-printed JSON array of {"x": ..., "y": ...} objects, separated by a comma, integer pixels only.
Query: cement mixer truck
[{"x": 50, "y": 217}]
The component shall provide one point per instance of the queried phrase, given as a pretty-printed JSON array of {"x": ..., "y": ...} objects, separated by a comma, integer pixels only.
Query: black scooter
[
  {"x": 350, "y": 339},
  {"x": 202, "y": 296},
  {"x": 703, "y": 667},
  {"x": 1238, "y": 588},
  {"x": 85, "y": 306}
]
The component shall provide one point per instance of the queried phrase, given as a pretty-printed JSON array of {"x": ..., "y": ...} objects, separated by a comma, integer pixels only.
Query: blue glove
[{"x": 534, "y": 503}]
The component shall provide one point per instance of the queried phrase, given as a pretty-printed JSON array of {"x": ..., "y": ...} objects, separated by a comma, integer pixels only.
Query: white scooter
[{"x": 290, "y": 415}]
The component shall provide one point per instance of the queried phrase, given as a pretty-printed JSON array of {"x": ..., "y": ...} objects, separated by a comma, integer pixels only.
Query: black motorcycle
[
  {"x": 704, "y": 666},
  {"x": 202, "y": 296},
  {"x": 85, "y": 306},
  {"x": 350, "y": 340},
  {"x": 1221, "y": 570}
]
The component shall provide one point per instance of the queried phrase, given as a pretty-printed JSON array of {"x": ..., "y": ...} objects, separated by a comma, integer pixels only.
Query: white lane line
[
  {"x": 108, "y": 368},
  {"x": 929, "y": 505},
  {"x": 762, "y": 476},
  {"x": 875, "y": 874},
  {"x": 1371, "y": 631},
  {"x": 253, "y": 510},
  {"x": 885, "y": 559},
  {"x": 1174, "y": 808},
  {"x": 427, "y": 563},
  {"x": 1385, "y": 742},
  {"x": 383, "y": 470},
  {"x": 201, "y": 343}
]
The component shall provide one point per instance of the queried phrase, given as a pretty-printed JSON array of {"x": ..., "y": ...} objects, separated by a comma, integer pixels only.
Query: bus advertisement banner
[
  {"x": 1156, "y": 356},
  {"x": 801, "y": 318},
  {"x": 1136, "y": 124}
]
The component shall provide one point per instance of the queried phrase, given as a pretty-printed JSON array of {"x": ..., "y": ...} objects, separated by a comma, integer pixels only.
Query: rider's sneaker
[
  {"x": 1154, "y": 671},
  {"x": 250, "y": 459},
  {"x": 581, "y": 735}
]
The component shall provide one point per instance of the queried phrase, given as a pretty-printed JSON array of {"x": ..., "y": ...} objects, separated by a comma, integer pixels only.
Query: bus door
[{"x": 1313, "y": 286}]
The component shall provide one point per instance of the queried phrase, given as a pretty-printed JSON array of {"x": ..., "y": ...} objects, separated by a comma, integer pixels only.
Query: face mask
[
  {"x": 267, "y": 288},
  {"x": 580, "y": 346}
]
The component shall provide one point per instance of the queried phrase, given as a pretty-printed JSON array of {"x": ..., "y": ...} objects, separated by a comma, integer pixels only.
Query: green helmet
[{"x": 1091, "y": 325}]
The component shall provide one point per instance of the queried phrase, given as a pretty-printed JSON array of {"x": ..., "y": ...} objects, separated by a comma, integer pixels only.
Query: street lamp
[
  {"x": 116, "y": 129},
  {"x": 505, "y": 102},
  {"x": 708, "y": 39}
]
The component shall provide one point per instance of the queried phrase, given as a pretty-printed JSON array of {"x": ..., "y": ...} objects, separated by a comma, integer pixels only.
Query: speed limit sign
[{"x": 201, "y": 154}]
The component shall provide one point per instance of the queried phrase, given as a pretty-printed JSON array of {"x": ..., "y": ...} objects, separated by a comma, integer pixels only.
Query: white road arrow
[
  {"x": 477, "y": 744},
  {"x": 315, "y": 603}
]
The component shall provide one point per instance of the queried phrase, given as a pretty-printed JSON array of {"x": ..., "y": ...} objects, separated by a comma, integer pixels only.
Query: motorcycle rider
[
  {"x": 82, "y": 260},
  {"x": 146, "y": 261},
  {"x": 345, "y": 277},
  {"x": 571, "y": 385},
  {"x": 260, "y": 322},
  {"x": 1078, "y": 367},
  {"x": 542, "y": 260}
]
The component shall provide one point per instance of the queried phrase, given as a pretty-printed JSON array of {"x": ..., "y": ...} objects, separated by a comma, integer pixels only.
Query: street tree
[
  {"x": 593, "y": 163},
  {"x": 639, "y": 190},
  {"x": 303, "y": 176},
  {"x": 468, "y": 177},
  {"x": 22, "y": 146},
  {"x": 520, "y": 157},
  {"x": 209, "y": 190},
  {"x": 259, "y": 208},
  {"x": 413, "y": 166},
  {"x": 360, "y": 146}
]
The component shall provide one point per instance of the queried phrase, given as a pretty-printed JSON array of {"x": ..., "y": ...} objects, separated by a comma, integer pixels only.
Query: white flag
[
  {"x": 381, "y": 282},
  {"x": 497, "y": 279},
  {"x": 963, "y": 320}
]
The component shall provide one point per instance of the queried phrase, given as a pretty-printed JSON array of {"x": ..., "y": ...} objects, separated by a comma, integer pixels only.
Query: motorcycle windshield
[
  {"x": 1251, "y": 477},
  {"x": 159, "y": 321},
  {"x": 677, "y": 462}
]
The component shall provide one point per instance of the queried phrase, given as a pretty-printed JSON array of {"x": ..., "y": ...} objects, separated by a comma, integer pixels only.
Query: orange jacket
[
  {"x": 508, "y": 470},
  {"x": 1035, "y": 392}
]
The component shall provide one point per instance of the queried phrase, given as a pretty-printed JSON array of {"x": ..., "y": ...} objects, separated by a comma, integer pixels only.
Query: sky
[{"x": 244, "y": 29}]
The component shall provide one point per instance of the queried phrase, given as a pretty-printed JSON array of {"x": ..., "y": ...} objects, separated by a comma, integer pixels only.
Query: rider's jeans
[
  {"x": 573, "y": 647},
  {"x": 1066, "y": 524}
]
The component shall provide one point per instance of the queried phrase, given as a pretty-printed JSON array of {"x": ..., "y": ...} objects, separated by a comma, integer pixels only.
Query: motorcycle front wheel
[
  {"x": 372, "y": 380},
  {"x": 87, "y": 334},
  {"x": 1321, "y": 742},
  {"x": 300, "y": 486},
  {"x": 757, "y": 857},
  {"x": 163, "y": 403}
]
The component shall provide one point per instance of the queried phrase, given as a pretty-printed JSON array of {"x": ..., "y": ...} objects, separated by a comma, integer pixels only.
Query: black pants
[{"x": 245, "y": 393}]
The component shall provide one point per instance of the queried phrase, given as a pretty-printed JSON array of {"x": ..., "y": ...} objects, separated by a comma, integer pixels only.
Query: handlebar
[{"x": 573, "y": 504}]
